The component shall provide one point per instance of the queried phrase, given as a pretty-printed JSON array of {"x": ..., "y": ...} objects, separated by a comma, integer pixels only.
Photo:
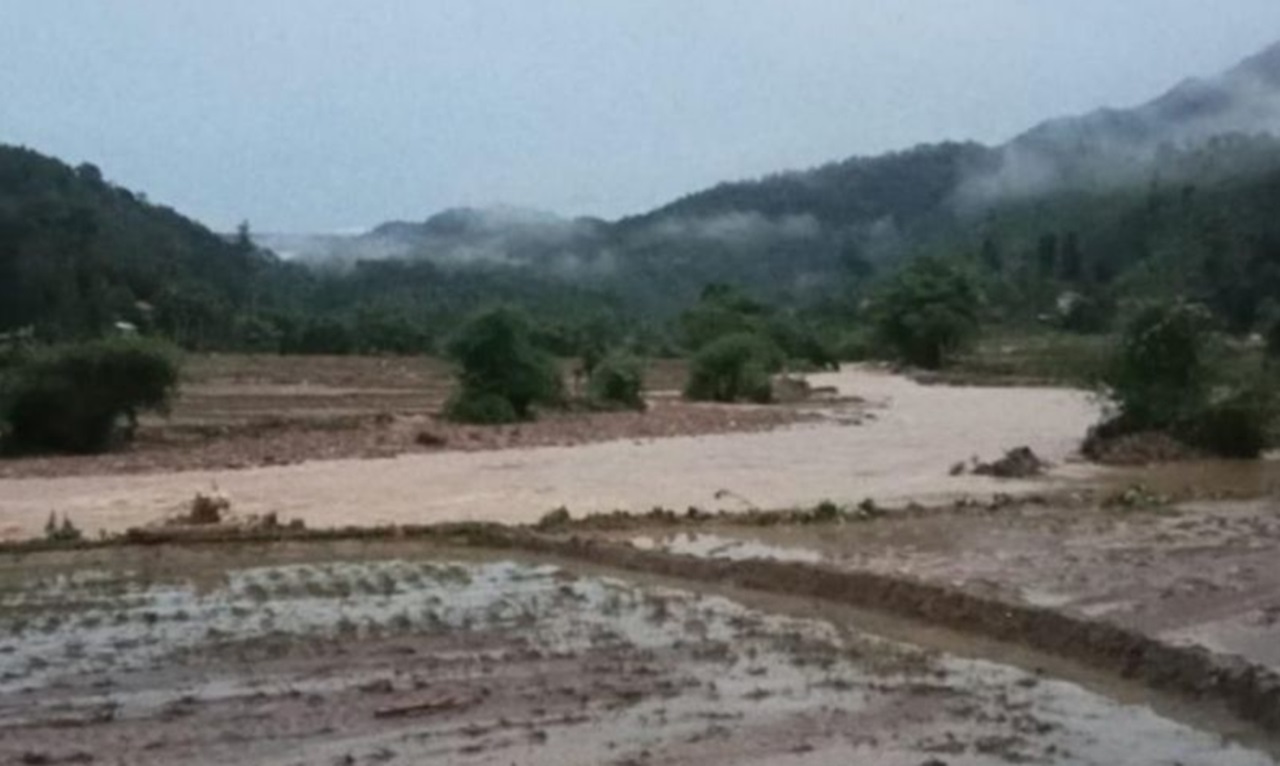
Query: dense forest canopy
[{"x": 1175, "y": 197}]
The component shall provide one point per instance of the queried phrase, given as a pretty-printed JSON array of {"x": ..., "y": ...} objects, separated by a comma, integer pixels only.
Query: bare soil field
[
  {"x": 366, "y": 653},
  {"x": 242, "y": 411}
]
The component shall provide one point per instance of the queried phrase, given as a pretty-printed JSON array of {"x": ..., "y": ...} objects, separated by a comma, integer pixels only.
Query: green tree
[
  {"x": 83, "y": 398},
  {"x": 734, "y": 367},
  {"x": 617, "y": 381},
  {"x": 721, "y": 310},
  {"x": 502, "y": 374},
  {"x": 1162, "y": 378},
  {"x": 927, "y": 312},
  {"x": 1160, "y": 374}
]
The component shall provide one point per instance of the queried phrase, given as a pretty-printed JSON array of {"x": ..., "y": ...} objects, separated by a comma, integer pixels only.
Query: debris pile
[
  {"x": 206, "y": 509},
  {"x": 1017, "y": 463}
]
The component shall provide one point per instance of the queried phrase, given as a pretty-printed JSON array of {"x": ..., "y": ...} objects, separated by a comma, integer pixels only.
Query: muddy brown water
[{"x": 916, "y": 433}]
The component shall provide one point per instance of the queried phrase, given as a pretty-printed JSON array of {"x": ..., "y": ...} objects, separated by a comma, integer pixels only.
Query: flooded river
[{"x": 903, "y": 450}]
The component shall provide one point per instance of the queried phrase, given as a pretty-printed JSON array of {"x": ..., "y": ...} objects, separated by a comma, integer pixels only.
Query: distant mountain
[
  {"x": 1173, "y": 190},
  {"x": 792, "y": 230},
  {"x": 1111, "y": 147}
]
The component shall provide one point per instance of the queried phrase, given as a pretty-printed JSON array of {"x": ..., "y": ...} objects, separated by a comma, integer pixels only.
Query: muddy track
[{"x": 1250, "y": 691}]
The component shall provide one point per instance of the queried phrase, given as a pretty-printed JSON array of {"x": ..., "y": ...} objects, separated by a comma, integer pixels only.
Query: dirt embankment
[{"x": 1251, "y": 691}]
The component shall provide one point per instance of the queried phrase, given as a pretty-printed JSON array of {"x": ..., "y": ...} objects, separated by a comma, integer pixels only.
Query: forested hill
[
  {"x": 1177, "y": 196},
  {"x": 1106, "y": 148},
  {"x": 801, "y": 237},
  {"x": 903, "y": 186},
  {"x": 78, "y": 254}
]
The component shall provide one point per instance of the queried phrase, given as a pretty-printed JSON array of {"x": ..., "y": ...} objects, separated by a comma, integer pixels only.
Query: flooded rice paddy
[{"x": 386, "y": 654}]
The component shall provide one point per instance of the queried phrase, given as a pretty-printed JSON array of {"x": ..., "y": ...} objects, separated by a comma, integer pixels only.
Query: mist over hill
[
  {"x": 786, "y": 232},
  {"x": 1176, "y": 195}
]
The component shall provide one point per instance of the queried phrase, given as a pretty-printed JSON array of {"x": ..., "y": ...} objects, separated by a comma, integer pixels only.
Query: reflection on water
[{"x": 717, "y": 547}]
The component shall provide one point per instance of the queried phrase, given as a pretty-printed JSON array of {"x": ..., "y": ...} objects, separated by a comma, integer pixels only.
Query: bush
[
  {"x": 855, "y": 345},
  {"x": 82, "y": 398},
  {"x": 801, "y": 343},
  {"x": 480, "y": 408},
  {"x": 1161, "y": 380},
  {"x": 721, "y": 310},
  {"x": 64, "y": 532},
  {"x": 927, "y": 313},
  {"x": 1159, "y": 376},
  {"x": 1236, "y": 427},
  {"x": 733, "y": 368},
  {"x": 617, "y": 381},
  {"x": 500, "y": 363}
]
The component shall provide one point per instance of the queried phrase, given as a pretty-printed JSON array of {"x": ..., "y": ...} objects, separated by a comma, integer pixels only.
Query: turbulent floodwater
[{"x": 904, "y": 452}]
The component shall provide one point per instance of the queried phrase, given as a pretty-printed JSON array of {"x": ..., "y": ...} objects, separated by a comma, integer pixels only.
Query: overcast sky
[{"x": 323, "y": 115}]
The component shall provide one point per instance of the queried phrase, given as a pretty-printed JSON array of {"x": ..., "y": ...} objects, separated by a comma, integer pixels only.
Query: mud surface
[
  {"x": 236, "y": 412},
  {"x": 396, "y": 653},
  {"x": 1202, "y": 574},
  {"x": 897, "y": 444}
]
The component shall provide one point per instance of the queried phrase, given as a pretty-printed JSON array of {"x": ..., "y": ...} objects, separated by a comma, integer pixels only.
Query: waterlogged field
[{"x": 395, "y": 653}]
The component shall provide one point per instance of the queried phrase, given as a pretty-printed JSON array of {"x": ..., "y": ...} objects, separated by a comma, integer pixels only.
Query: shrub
[
  {"x": 64, "y": 532},
  {"x": 927, "y": 312},
  {"x": 76, "y": 398},
  {"x": 617, "y": 381},
  {"x": 1161, "y": 380},
  {"x": 503, "y": 374},
  {"x": 1238, "y": 426},
  {"x": 1159, "y": 376},
  {"x": 854, "y": 345},
  {"x": 721, "y": 310},
  {"x": 480, "y": 408},
  {"x": 733, "y": 368},
  {"x": 801, "y": 343}
]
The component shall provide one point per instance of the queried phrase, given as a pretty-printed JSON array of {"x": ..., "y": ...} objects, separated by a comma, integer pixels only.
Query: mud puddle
[{"x": 356, "y": 653}]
